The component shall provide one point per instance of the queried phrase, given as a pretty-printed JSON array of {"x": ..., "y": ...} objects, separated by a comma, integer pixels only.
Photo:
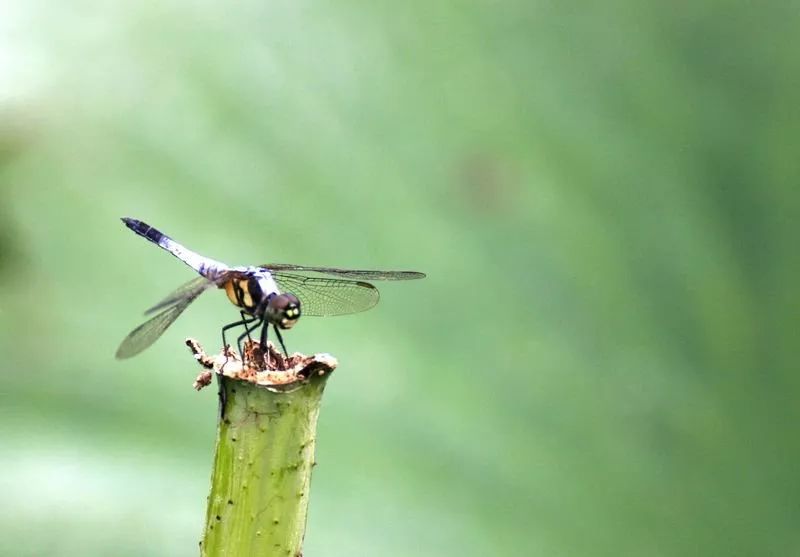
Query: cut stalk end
[{"x": 265, "y": 449}]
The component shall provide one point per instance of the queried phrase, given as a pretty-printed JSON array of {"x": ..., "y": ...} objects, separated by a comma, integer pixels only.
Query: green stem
[{"x": 262, "y": 470}]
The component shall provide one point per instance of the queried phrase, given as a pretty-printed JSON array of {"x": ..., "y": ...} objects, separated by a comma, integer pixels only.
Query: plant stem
[{"x": 262, "y": 469}]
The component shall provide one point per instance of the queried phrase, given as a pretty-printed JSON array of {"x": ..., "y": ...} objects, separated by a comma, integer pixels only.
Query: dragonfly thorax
[
  {"x": 250, "y": 291},
  {"x": 257, "y": 294}
]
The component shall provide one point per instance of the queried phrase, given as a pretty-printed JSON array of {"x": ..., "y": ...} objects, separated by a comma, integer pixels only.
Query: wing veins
[
  {"x": 191, "y": 289},
  {"x": 322, "y": 296},
  {"x": 148, "y": 332},
  {"x": 346, "y": 273}
]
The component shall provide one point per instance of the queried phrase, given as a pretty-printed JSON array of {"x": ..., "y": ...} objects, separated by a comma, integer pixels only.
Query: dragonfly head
[{"x": 283, "y": 310}]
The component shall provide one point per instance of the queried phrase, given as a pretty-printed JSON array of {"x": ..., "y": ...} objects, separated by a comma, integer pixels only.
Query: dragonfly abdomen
[{"x": 206, "y": 266}]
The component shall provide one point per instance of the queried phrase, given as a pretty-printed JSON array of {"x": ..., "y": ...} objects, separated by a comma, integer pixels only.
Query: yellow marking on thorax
[
  {"x": 247, "y": 299},
  {"x": 238, "y": 293},
  {"x": 231, "y": 293}
]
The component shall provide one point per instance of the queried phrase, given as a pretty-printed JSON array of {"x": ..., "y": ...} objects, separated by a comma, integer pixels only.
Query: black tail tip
[{"x": 129, "y": 222}]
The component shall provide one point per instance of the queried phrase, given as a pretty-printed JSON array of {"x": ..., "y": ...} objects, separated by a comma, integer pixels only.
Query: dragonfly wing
[
  {"x": 321, "y": 296},
  {"x": 355, "y": 274},
  {"x": 148, "y": 332},
  {"x": 191, "y": 289}
]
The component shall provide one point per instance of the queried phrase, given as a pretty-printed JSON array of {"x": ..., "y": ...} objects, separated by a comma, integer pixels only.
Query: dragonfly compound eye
[{"x": 283, "y": 310}]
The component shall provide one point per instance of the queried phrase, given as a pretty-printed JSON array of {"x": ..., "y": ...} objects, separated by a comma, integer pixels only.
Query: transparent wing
[
  {"x": 191, "y": 289},
  {"x": 347, "y": 273},
  {"x": 148, "y": 332},
  {"x": 321, "y": 296}
]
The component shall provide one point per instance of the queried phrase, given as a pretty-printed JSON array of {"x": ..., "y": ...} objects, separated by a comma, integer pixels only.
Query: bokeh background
[{"x": 603, "y": 360}]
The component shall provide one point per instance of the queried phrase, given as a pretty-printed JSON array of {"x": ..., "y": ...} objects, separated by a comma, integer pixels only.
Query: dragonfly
[{"x": 271, "y": 295}]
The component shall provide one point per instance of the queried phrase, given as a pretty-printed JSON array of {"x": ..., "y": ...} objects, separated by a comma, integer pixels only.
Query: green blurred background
[{"x": 602, "y": 361}]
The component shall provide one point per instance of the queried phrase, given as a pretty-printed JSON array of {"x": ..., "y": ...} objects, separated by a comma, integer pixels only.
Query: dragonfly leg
[
  {"x": 246, "y": 333},
  {"x": 280, "y": 339},
  {"x": 244, "y": 322},
  {"x": 264, "y": 332},
  {"x": 246, "y": 330},
  {"x": 221, "y": 391},
  {"x": 264, "y": 346}
]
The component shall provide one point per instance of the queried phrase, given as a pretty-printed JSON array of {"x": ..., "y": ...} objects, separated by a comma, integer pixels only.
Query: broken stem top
[{"x": 265, "y": 368}]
